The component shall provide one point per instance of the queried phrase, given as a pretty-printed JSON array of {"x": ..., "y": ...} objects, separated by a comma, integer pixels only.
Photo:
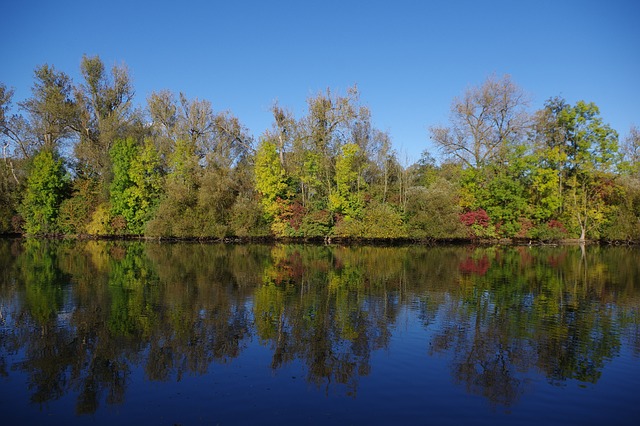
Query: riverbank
[{"x": 328, "y": 240}]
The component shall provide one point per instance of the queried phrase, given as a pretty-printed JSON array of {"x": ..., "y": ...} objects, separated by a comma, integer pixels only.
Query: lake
[{"x": 96, "y": 332}]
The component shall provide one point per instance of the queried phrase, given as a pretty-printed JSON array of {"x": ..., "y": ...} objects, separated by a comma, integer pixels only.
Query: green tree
[
  {"x": 504, "y": 195},
  {"x": 136, "y": 185},
  {"x": 76, "y": 211},
  {"x": 347, "y": 198},
  {"x": 9, "y": 198},
  {"x": 434, "y": 212},
  {"x": 591, "y": 148},
  {"x": 546, "y": 184},
  {"x": 624, "y": 223},
  {"x": 45, "y": 190},
  {"x": 273, "y": 186},
  {"x": 382, "y": 220},
  {"x": 177, "y": 211}
]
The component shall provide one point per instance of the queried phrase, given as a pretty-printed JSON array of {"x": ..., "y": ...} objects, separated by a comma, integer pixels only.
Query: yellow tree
[{"x": 272, "y": 184}]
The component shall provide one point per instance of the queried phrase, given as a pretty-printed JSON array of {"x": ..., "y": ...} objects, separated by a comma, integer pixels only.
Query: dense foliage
[{"x": 79, "y": 159}]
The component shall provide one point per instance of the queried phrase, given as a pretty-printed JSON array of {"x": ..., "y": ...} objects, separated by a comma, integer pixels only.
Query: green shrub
[{"x": 383, "y": 221}]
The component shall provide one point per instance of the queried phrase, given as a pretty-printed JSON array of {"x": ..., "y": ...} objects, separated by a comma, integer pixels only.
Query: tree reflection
[
  {"x": 527, "y": 309},
  {"x": 329, "y": 315},
  {"x": 87, "y": 314}
]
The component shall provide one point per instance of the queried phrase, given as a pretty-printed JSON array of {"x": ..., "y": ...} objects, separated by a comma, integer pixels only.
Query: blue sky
[{"x": 408, "y": 58}]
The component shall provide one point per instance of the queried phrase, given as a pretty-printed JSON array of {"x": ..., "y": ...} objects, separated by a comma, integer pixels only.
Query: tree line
[{"x": 82, "y": 159}]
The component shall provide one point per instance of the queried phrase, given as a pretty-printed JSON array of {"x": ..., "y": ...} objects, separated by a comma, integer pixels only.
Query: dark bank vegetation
[{"x": 80, "y": 159}]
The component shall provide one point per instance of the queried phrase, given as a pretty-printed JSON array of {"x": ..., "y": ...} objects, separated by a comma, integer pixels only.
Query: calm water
[{"x": 130, "y": 333}]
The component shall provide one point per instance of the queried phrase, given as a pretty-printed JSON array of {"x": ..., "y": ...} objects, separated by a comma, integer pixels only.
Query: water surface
[{"x": 130, "y": 332}]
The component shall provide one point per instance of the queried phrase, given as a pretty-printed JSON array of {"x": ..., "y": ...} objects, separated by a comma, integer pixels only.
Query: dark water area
[{"x": 105, "y": 332}]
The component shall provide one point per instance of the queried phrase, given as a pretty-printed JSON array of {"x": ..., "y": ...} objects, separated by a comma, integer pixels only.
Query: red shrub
[{"x": 476, "y": 217}]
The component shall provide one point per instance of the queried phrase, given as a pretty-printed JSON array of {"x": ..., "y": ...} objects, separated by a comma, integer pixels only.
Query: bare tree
[
  {"x": 483, "y": 122},
  {"x": 11, "y": 140},
  {"x": 105, "y": 113},
  {"x": 51, "y": 111},
  {"x": 631, "y": 148},
  {"x": 163, "y": 111}
]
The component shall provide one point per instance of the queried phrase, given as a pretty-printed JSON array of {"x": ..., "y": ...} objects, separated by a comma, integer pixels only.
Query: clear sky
[{"x": 408, "y": 58}]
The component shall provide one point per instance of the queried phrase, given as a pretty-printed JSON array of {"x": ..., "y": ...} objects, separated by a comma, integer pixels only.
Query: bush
[
  {"x": 383, "y": 221},
  {"x": 624, "y": 226},
  {"x": 551, "y": 231},
  {"x": 75, "y": 212},
  {"x": 100, "y": 219},
  {"x": 478, "y": 224},
  {"x": 247, "y": 219},
  {"x": 434, "y": 212},
  {"x": 316, "y": 224},
  {"x": 348, "y": 227}
]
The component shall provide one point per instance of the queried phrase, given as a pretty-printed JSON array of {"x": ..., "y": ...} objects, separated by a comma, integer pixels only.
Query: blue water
[{"x": 430, "y": 354}]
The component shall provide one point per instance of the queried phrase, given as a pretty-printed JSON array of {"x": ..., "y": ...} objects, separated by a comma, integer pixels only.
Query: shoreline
[{"x": 336, "y": 241}]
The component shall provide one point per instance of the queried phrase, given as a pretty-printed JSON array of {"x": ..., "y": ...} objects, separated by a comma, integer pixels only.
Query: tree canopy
[{"x": 82, "y": 158}]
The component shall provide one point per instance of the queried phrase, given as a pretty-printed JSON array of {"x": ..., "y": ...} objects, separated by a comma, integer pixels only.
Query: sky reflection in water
[{"x": 189, "y": 333}]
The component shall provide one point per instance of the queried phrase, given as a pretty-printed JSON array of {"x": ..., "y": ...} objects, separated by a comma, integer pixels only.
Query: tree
[
  {"x": 545, "y": 189},
  {"x": 484, "y": 122},
  {"x": 136, "y": 185},
  {"x": 177, "y": 211},
  {"x": 106, "y": 115},
  {"x": 282, "y": 131},
  {"x": 625, "y": 224},
  {"x": 272, "y": 184},
  {"x": 9, "y": 197},
  {"x": 571, "y": 172},
  {"x": 631, "y": 151},
  {"x": 381, "y": 163},
  {"x": 9, "y": 182},
  {"x": 52, "y": 112},
  {"x": 207, "y": 158},
  {"x": 50, "y": 119},
  {"x": 424, "y": 171},
  {"x": 163, "y": 111},
  {"x": 586, "y": 152},
  {"x": 434, "y": 212},
  {"x": 5, "y": 102},
  {"x": 347, "y": 199},
  {"x": 45, "y": 189},
  {"x": 226, "y": 172},
  {"x": 500, "y": 190},
  {"x": 13, "y": 145},
  {"x": 326, "y": 128},
  {"x": 76, "y": 211}
]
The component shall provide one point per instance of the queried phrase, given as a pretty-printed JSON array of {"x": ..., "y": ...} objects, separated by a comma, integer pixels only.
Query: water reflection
[
  {"x": 518, "y": 311},
  {"x": 78, "y": 317}
]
